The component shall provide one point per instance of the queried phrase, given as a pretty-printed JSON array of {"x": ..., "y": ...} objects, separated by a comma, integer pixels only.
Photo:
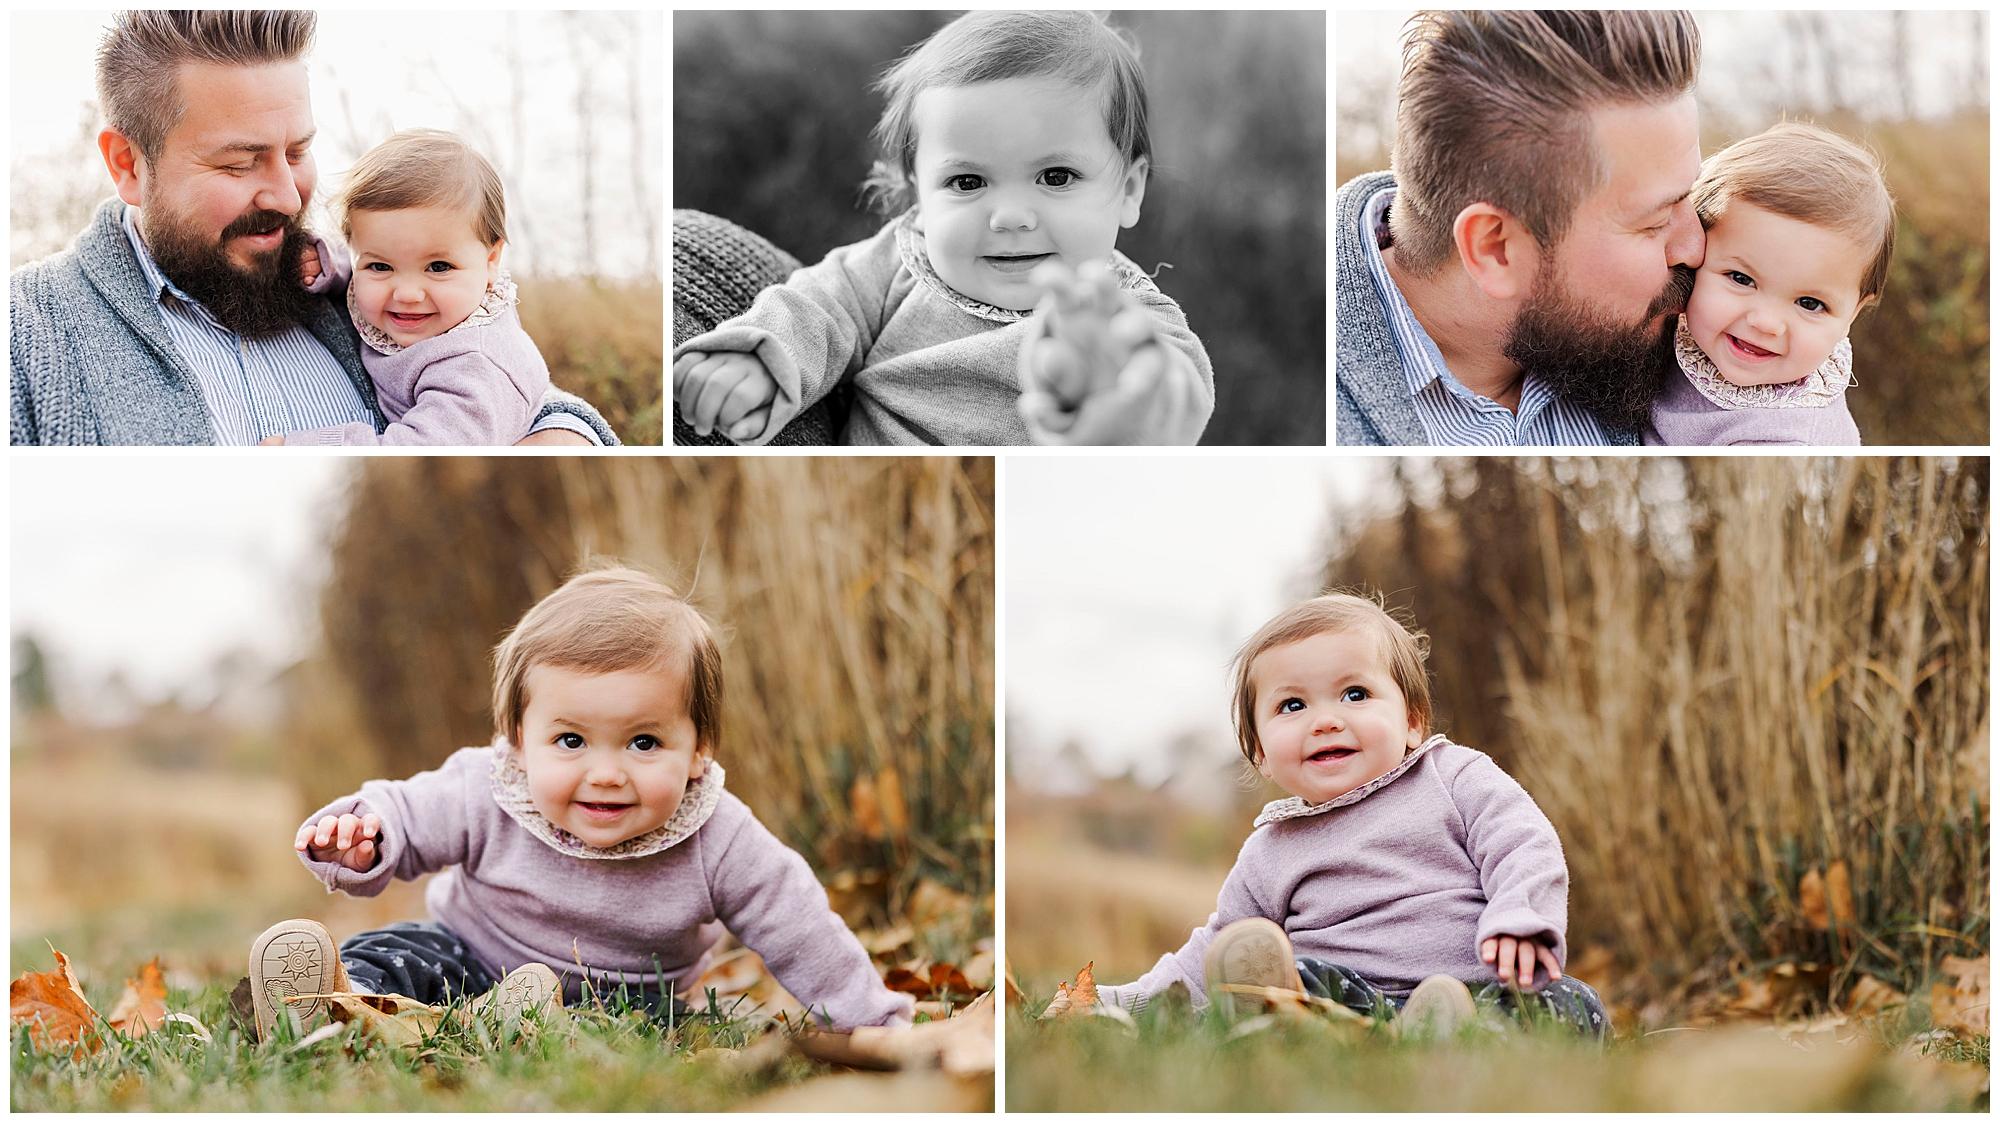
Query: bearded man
[
  {"x": 1514, "y": 280},
  {"x": 178, "y": 317}
]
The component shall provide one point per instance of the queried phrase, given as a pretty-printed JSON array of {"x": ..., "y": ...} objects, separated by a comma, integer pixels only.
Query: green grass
[
  {"x": 1172, "y": 1061},
  {"x": 585, "y": 1060}
]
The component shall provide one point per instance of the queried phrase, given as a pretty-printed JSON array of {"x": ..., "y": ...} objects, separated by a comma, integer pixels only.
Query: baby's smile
[{"x": 1016, "y": 264}]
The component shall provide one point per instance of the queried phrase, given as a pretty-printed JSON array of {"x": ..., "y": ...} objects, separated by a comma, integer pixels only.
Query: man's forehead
[
  {"x": 223, "y": 104},
  {"x": 1651, "y": 154}
]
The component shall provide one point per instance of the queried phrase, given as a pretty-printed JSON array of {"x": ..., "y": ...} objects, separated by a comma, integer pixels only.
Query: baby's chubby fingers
[{"x": 683, "y": 365}]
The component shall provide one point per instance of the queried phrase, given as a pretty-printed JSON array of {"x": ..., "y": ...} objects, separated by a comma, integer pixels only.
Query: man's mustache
[
  {"x": 260, "y": 222},
  {"x": 1674, "y": 298}
]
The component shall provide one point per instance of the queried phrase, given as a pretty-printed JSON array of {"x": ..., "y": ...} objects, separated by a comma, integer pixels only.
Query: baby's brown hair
[
  {"x": 604, "y": 620},
  {"x": 426, "y": 168},
  {"x": 1402, "y": 648},
  {"x": 1806, "y": 173}
]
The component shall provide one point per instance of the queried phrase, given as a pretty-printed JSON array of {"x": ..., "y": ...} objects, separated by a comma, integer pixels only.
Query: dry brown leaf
[
  {"x": 866, "y": 807},
  {"x": 1872, "y": 996},
  {"x": 907, "y": 981},
  {"x": 979, "y": 969},
  {"x": 1015, "y": 996},
  {"x": 932, "y": 905},
  {"x": 962, "y": 1045},
  {"x": 886, "y": 940},
  {"x": 1294, "y": 1005},
  {"x": 889, "y": 792},
  {"x": 1966, "y": 1007},
  {"x": 1074, "y": 997},
  {"x": 143, "y": 1006},
  {"x": 947, "y": 979},
  {"x": 395, "y": 1019},
  {"x": 52, "y": 1006},
  {"x": 1812, "y": 899},
  {"x": 1839, "y": 895}
]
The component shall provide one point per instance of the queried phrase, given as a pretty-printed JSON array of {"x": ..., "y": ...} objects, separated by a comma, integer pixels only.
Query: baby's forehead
[{"x": 1375, "y": 650}]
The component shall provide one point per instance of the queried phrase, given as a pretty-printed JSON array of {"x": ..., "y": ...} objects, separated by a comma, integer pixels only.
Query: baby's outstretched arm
[
  {"x": 347, "y": 839},
  {"x": 1513, "y": 958},
  {"x": 728, "y": 390}
]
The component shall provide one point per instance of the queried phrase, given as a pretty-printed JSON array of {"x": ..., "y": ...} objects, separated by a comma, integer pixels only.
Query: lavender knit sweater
[
  {"x": 515, "y": 899},
  {"x": 1398, "y": 884}
]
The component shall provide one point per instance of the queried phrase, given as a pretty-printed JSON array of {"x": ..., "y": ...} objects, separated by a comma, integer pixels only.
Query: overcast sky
[
  {"x": 157, "y": 564},
  {"x": 1129, "y": 581}
]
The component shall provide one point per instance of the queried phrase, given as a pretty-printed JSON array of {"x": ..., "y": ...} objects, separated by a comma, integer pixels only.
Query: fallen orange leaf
[
  {"x": 1013, "y": 989},
  {"x": 907, "y": 981},
  {"x": 946, "y": 978},
  {"x": 52, "y": 1006},
  {"x": 1074, "y": 997},
  {"x": 143, "y": 1006},
  {"x": 1839, "y": 895},
  {"x": 1812, "y": 899}
]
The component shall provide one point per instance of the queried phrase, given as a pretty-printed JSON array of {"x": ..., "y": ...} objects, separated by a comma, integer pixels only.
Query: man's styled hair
[
  {"x": 608, "y": 620},
  {"x": 426, "y": 168},
  {"x": 1078, "y": 47},
  {"x": 139, "y": 61},
  {"x": 1806, "y": 173},
  {"x": 1402, "y": 648},
  {"x": 1494, "y": 108}
]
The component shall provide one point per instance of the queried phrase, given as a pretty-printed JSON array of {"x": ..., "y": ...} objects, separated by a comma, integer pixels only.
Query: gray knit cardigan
[
  {"x": 1371, "y": 395},
  {"x": 93, "y": 363}
]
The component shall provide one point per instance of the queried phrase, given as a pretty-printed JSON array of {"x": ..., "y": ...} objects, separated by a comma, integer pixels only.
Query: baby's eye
[
  {"x": 1811, "y": 303},
  {"x": 570, "y": 740},
  {"x": 378, "y": 267},
  {"x": 1743, "y": 279},
  {"x": 1059, "y": 177},
  {"x": 1354, "y": 694},
  {"x": 439, "y": 267},
  {"x": 964, "y": 183},
  {"x": 1291, "y": 706},
  {"x": 645, "y": 743}
]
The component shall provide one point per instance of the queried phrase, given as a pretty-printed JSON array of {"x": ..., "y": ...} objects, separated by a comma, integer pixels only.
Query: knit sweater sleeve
[
  {"x": 1242, "y": 896},
  {"x": 816, "y": 328},
  {"x": 767, "y": 897},
  {"x": 426, "y": 823},
  {"x": 1520, "y": 859}
]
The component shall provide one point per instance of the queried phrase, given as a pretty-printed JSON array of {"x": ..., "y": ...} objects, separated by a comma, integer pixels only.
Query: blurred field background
[
  {"x": 565, "y": 104},
  {"x": 771, "y": 118},
  {"x": 152, "y": 811},
  {"x": 1752, "y": 695},
  {"x": 1912, "y": 87}
]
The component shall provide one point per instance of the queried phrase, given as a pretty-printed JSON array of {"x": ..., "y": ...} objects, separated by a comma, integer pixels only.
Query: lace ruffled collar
[
  {"x": 917, "y": 259},
  {"x": 1296, "y": 808},
  {"x": 510, "y": 791},
  {"x": 499, "y": 295},
  {"x": 1822, "y": 387}
]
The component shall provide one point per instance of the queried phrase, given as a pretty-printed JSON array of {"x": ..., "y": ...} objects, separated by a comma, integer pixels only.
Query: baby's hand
[
  {"x": 309, "y": 264},
  {"x": 728, "y": 390},
  {"x": 1092, "y": 330},
  {"x": 1511, "y": 959},
  {"x": 273, "y": 439},
  {"x": 349, "y": 840}
]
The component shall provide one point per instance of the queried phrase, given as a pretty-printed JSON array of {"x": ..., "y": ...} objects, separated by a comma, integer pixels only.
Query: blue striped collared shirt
[
  {"x": 254, "y": 388},
  {"x": 1451, "y": 413}
]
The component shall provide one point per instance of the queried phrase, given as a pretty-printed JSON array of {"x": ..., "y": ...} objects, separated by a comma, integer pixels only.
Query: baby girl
[
  {"x": 1800, "y": 232},
  {"x": 425, "y": 218},
  {"x": 1402, "y": 868},
  {"x": 594, "y": 830},
  {"x": 1015, "y": 146}
]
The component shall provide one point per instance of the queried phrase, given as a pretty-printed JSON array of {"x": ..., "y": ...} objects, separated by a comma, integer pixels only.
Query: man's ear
[
  {"x": 123, "y": 161},
  {"x": 1496, "y": 251},
  {"x": 1134, "y": 189}
]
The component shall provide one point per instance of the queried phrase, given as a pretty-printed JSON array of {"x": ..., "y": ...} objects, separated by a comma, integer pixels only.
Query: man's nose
[
  {"x": 1686, "y": 244},
  {"x": 279, "y": 191}
]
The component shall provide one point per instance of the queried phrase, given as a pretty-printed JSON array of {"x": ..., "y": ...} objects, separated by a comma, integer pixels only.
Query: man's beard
[
  {"x": 1613, "y": 370},
  {"x": 259, "y": 302}
]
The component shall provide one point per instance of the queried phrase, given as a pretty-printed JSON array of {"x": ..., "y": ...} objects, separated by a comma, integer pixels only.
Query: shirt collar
[
  {"x": 156, "y": 281},
  {"x": 1427, "y": 364}
]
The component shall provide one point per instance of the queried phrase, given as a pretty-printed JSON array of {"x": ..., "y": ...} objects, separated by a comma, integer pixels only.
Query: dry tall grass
[
  {"x": 855, "y": 594},
  {"x": 1723, "y": 678},
  {"x": 603, "y": 341}
]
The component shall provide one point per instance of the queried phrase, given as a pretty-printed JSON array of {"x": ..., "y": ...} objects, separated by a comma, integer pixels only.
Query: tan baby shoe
[
  {"x": 1252, "y": 952},
  {"x": 293, "y": 957}
]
